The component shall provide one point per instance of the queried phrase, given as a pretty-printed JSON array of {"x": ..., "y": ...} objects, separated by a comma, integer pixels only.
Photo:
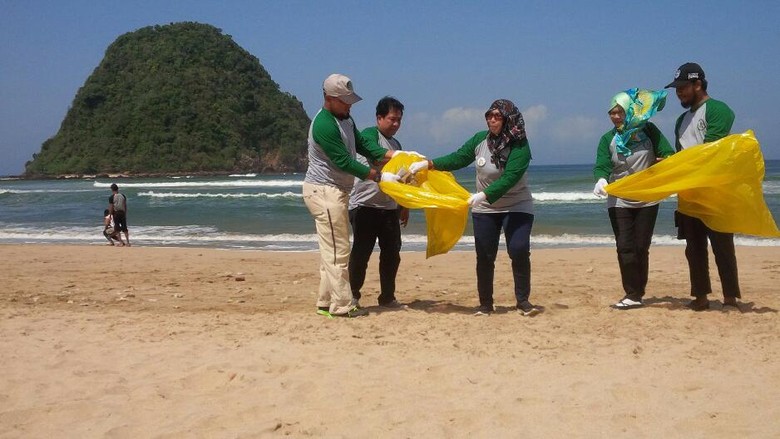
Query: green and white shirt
[
  {"x": 333, "y": 146},
  {"x": 646, "y": 146},
  {"x": 506, "y": 189},
  {"x": 366, "y": 192},
  {"x": 711, "y": 121}
]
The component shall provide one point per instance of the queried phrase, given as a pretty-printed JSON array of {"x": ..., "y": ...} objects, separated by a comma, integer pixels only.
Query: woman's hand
[
  {"x": 477, "y": 199},
  {"x": 598, "y": 189}
]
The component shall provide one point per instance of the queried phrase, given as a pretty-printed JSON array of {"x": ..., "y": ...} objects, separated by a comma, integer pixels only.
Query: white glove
[
  {"x": 418, "y": 166},
  {"x": 598, "y": 190},
  {"x": 395, "y": 153},
  {"x": 477, "y": 199},
  {"x": 389, "y": 176}
]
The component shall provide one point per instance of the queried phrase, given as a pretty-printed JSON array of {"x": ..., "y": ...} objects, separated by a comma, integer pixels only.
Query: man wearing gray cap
[
  {"x": 705, "y": 121},
  {"x": 334, "y": 143}
]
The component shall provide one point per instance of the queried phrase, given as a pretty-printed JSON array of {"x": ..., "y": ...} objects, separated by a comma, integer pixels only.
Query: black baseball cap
[{"x": 687, "y": 72}]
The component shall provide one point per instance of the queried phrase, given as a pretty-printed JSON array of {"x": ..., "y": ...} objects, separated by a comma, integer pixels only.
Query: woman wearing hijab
[
  {"x": 631, "y": 146},
  {"x": 502, "y": 201}
]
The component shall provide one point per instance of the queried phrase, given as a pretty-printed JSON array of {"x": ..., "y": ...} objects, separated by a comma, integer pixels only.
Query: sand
[{"x": 137, "y": 342}]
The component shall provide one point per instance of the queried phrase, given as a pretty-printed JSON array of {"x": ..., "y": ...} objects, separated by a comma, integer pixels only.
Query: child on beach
[{"x": 109, "y": 229}]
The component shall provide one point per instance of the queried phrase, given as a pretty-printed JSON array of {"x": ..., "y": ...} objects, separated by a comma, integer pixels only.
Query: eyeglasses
[{"x": 498, "y": 116}]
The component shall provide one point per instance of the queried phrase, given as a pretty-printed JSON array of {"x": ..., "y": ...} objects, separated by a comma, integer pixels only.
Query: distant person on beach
[
  {"x": 109, "y": 229},
  {"x": 334, "y": 142},
  {"x": 705, "y": 120},
  {"x": 374, "y": 215},
  {"x": 632, "y": 222},
  {"x": 502, "y": 202},
  {"x": 117, "y": 206}
]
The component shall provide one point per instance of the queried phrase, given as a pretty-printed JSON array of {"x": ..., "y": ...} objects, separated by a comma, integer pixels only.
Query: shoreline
[{"x": 172, "y": 342}]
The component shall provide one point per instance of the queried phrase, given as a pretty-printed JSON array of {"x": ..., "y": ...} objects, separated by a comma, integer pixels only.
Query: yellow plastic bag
[
  {"x": 439, "y": 194},
  {"x": 718, "y": 182}
]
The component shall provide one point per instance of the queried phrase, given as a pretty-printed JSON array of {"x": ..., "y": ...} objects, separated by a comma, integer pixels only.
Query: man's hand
[
  {"x": 403, "y": 215},
  {"x": 395, "y": 153},
  {"x": 389, "y": 176},
  {"x": 418, "y": 166}
]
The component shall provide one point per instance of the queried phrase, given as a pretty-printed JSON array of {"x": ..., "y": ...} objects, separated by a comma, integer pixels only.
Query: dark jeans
[
  {"x": 517, "y": 232},
  {"x": 696, "y": 233},
  {"x": 368, "y": 225},
  {"x": 633, "y": 228}
]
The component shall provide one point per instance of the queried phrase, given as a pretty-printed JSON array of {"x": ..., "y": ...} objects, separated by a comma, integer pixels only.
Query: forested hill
[{"x": 175, "y": 99}]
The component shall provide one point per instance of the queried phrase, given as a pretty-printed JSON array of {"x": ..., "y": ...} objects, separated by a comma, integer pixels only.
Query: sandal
[{"x": 626, "y": 303}]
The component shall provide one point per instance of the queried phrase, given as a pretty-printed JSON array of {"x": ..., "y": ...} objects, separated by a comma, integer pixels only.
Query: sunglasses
[{"x": 495, "y": 115}]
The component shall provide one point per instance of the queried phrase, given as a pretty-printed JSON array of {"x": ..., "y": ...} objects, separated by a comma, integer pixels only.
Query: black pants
[
  {"x": 696, "y": 233},
  {"x": 633, "y": 228},
  {"x": 517, "y": 233},
  {"x": 370, "y": 224}
]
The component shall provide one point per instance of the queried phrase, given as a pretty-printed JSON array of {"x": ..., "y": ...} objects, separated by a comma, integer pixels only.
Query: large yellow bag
[
  {"x": 718, "y": 182},
  {"x": 439, "y": 194}
]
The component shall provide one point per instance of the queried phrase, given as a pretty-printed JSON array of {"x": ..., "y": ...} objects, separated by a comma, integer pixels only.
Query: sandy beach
[{"x": 137, "y": 342}]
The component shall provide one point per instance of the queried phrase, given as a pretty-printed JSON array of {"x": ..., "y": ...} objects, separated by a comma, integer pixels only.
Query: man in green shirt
[
  {"x": 705, "y": 120},
  {"x": 334, "y": 142},
  {"x": 374, "y": 215}
]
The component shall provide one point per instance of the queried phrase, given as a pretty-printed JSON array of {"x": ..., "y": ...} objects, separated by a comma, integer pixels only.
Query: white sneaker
[{"x": 626, "y": 303}]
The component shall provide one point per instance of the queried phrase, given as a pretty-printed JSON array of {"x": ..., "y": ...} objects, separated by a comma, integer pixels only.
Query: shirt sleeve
[
  {"x": 327, "y": 135},
  {"x": 720, "y": 118},
  {"x": 516, "y": 165},
  {"x": 604, "y": 165},
  {"x": 464, "y": 156},
  {"x": 367, "y": 143},
  {"x": 661, "y": 146}
]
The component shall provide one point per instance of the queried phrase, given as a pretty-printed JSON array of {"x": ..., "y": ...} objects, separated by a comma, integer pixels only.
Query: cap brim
[
  {"x": 350, "y": 99},
  {"x": 677, "y": 82}
]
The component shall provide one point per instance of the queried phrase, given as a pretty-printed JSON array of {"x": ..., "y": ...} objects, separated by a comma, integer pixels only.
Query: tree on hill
[{"x": 177, "y": 98}]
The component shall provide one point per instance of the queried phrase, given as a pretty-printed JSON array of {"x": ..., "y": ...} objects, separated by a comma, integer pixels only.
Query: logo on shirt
[
  {"x": 702, "y": 126},
  {"x": 481, "y": 162}
]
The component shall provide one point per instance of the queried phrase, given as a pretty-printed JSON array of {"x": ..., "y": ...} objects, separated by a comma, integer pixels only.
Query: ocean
[{"x": 266, "y": 212}]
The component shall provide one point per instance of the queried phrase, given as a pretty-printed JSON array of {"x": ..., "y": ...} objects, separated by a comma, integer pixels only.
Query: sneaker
[
  {"x": 483, "y": 310},
  {"x": 324, "y": 311},
  {"x": 354, "y": 312},
  {"x": 394, "y": 304},
  {"x": 527, "y": 309},
  {"x": 626, "y": 303},
  {"x": 355, "y": 303}
]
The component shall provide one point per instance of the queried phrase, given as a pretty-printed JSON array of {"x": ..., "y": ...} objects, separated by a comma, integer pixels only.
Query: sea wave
[
  {"x": 153, "y": 194},
  {"x": 214, "y": 183},
  {"x": 202, "y": 236}
]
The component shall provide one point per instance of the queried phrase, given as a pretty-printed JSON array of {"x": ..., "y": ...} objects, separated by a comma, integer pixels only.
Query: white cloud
[
  {"x": 534, "y": 117},
  {"x": 455, "y": 125},
  {"x": 577, "y": 129}
]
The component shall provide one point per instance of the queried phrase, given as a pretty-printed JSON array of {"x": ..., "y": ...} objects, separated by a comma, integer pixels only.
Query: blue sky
[{"x": 559, "y": 61}]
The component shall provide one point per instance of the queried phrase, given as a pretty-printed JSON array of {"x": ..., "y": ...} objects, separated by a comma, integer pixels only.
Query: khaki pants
[{"x": 329, "y": 207}]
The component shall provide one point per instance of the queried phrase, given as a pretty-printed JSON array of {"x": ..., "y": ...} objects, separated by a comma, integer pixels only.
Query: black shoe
[
  {"x": 483, "y": 310},
  {"x": 394, "y": 304},
  {"x": 527, "y": 309},
  {"x": 699, "y": 304}
]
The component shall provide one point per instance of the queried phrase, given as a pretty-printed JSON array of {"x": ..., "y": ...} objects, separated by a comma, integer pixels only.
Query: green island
[{"x": 181, "y": 98}]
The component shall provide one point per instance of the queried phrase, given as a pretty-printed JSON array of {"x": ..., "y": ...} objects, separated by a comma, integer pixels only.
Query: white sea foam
[
  {"x": 153, "y": 194},
  {"x": 43, "y": 191},
  {"x": 201, "y": 236},
  {"x": 194, "y": 184},
  {"x": 565, "y": 197}
]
